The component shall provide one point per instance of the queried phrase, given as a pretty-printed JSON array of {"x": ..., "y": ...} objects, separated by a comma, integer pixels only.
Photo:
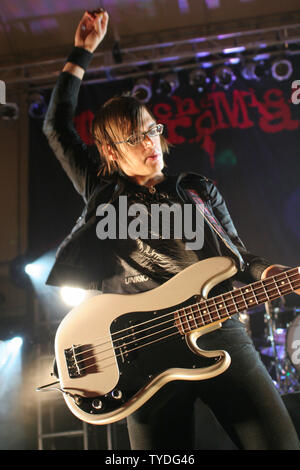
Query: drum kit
[{"x": 275, "y": 332}]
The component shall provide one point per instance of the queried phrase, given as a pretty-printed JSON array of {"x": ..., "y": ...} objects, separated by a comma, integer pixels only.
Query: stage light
[
  {"x": 33, "y": 270},
  {"x": 72, "y": 296},
  {"x": 9, "y": 348},
  {"x": 168, "y": 84},
  {"x": 281, "y": 69},
  {"x": 254, "y": 70},
  {"x": 37, "y": 107},
  {"x": 15, "y": 344},
  {"x": 202, "y": 54},
  {"x": 3, "y": 353},
  {"x": 142, "y": 90},
  {"x": 212, "y": 3},
  {"x": 225, "y": 77},
  {"x": 183, "y": 6},
  {"x": 234, "y": 50},
  {"x": 206, "y": 65},
  {"x": 263, "y": 56},
  {"x": 232, "y": 61},
  {"x": 199, "y": 80}
]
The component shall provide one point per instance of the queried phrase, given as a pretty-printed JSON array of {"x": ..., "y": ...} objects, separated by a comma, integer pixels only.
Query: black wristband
[{"x": 81, "y": 57}]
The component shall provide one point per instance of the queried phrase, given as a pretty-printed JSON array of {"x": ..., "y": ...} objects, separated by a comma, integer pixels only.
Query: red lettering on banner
[
  {"x": 239, "y": 110},
  {"x": 188, "y": 120},
  {"x": 254, "y": 103},
  {"x": 213, "y": 112},
  {"x": 205, "y": 133},
  {"x": 163, "y": 112},
  {"x": 282, "y": 117},
  {"x": 173, "y": 125},
  {"x": 203, "y": 130},
  {"x": 271, "y": 121},
  {"x": 185, "y": 106}
]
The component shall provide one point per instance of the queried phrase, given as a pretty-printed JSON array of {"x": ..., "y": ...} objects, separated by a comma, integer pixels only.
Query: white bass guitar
[{"x": 114, "y": 352}]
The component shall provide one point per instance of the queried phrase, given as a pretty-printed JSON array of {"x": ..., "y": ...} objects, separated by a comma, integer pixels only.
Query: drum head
[{"x": 293, "y": 342}]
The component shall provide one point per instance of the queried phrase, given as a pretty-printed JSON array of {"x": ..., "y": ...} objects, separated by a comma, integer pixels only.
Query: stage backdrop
[{"x": 246, "y": 138}]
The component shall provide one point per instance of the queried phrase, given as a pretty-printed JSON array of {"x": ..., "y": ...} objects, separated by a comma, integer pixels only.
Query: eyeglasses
[{"x": 136, "y": 139}]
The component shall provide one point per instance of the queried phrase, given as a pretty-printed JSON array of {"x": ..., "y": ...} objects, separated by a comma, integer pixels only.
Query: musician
[{"x": 128, "y": 159}]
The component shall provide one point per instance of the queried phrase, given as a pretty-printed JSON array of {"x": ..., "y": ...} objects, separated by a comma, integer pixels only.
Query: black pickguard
[{"x": 139, "y": 362}]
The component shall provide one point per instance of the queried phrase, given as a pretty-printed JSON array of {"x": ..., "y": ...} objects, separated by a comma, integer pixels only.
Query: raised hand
[{"x": 91, "y": 29}]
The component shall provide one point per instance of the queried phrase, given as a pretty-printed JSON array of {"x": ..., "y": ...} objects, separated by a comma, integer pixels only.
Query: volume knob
[
  {"x": 78, "y": 400},
  {"x": 97, "y": 404},
  {"x": 116, "y": 394}
]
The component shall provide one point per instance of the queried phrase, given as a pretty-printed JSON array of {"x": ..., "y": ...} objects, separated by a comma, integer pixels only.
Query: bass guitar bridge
[{"x": 74, "y": 364}]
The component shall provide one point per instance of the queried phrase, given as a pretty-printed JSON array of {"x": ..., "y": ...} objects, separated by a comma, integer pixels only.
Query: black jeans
[{"x": 243, "y": 400}]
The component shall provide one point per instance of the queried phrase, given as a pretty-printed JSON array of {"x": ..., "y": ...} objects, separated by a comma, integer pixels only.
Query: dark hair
[{"x": 116, "y": 120}]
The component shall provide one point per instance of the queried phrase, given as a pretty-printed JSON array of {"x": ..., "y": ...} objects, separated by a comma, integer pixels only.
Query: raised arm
[
  {"x": 90, "y": 32},
  {"x": 81, "y": 162}
]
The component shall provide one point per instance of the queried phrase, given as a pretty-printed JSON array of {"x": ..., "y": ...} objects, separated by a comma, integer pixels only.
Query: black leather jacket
[{"x": 76, "y": 263}]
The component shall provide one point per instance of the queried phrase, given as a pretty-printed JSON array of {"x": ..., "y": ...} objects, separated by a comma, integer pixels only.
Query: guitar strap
[{"x": 214, "y": 224}]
